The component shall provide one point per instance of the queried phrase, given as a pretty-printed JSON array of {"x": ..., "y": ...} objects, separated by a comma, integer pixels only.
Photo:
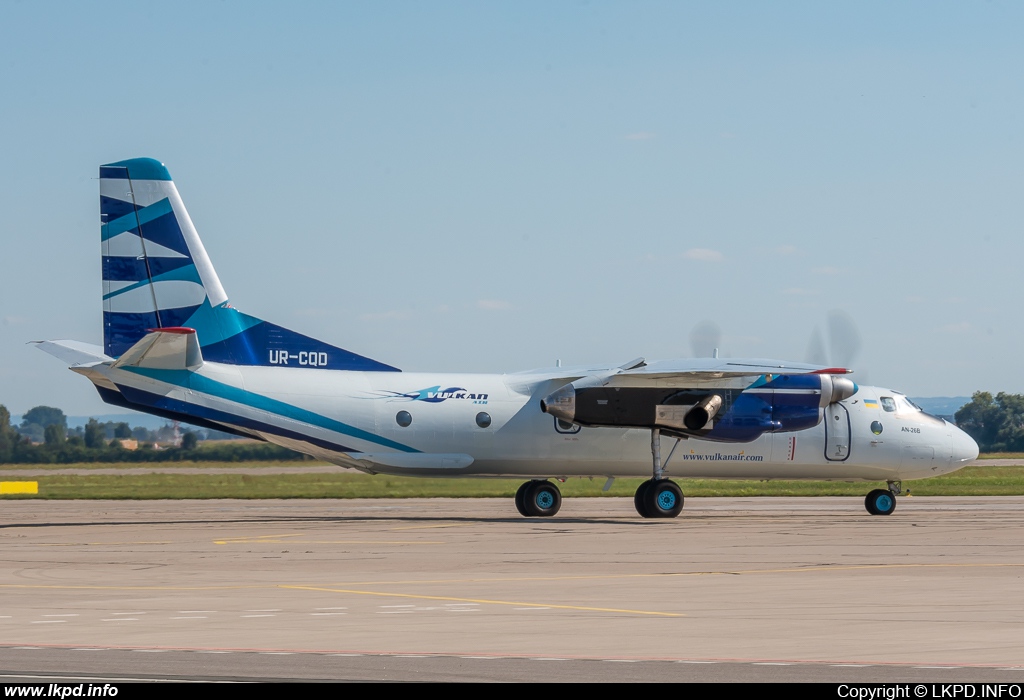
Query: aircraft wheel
[
  {"x": 521, "y": 498},
  {"x": 640, "y": 499},
  {"x": 542, "y": 499},
  {"x": 880, "y": 502},
  {"x": 664, "y": 499}
]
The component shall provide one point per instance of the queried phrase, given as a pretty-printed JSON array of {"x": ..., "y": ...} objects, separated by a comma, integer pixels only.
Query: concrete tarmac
[{"x": 465, "y": 589}]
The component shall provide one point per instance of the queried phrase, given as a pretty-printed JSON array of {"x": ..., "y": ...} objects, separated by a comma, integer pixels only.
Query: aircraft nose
[{"x": 965, "y": 449}]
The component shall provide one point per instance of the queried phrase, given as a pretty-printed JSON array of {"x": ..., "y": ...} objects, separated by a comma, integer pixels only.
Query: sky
[{"x": 494, "y": 186}]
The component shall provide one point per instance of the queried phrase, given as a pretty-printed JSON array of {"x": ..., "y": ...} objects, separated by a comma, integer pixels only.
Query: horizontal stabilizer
[
  {"x": 167, "y": 348},
  {"x": 74, "y": 352},
  {"x": 415, "y": 460}
]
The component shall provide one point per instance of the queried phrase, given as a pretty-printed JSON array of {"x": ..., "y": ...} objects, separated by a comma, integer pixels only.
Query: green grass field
[{"x": 972, "y": 481}]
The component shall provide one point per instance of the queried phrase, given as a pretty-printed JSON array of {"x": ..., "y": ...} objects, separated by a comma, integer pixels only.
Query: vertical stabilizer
[{"x": 156, "y": 274}]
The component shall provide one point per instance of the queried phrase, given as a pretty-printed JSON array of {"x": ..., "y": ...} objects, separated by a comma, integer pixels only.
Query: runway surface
[{"x": 464, "y": 589}]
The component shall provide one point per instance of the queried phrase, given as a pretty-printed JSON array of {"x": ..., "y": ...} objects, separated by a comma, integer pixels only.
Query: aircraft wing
[{"x": 709, "y": 372}]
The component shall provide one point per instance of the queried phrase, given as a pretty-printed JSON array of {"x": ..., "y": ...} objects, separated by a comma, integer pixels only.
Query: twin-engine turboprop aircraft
[{"x": 173, "y": 346}]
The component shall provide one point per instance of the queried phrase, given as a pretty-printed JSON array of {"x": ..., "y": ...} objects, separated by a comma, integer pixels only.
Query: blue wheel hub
[
  {"x": 666, "y": 500},
  {"x": 883, "y": 502},
  {"x": 544, "y": 499}
]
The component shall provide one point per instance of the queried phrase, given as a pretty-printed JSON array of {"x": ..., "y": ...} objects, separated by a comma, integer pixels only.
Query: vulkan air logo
[{"x": 436, "y": 394}]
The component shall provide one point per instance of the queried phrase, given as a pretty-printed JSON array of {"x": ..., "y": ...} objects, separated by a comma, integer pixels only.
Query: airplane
[{"x": 174, "y": 346}]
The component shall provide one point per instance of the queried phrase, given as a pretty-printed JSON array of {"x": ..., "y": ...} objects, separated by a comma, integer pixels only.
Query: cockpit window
[
  {"x": 907, "y": 406},
  {"x": 888, "y": 404}
]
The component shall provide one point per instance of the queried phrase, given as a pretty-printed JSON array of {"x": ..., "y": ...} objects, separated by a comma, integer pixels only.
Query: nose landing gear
[{"x": 883, "y": 501}]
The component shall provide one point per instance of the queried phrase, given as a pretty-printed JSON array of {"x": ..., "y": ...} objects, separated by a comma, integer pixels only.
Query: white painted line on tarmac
[
  {"x": 329, "y": 613},
  {"x": 89, "y": 649},
  {"x": 151, "y": 651},
  {"x": 547, "y": 658},
  {"x": 949, "y": 667},
  {"x": 346, "y": 654},
  {"x": 61, "y": 615},
  {"x": 212, "y": 651},
  {"x": 257, "y": 615},
  {"x": 393, "y": 612},
  {"x": 621, "y": 661},
  {"x": 695, "y": 662},
  {"x": 45, "y": 622},
  {"x": 336, "y": 607},
  {"x": 769, "y": 663},
  {"x": 120, "y": 619},
  {"x": 194, "y": 612},
  {"x": 276, "y": 653},
  {"x": 129, "y": 613},
  {"x": 266, "y": 610},
  {"x": 851, "y": 665}
]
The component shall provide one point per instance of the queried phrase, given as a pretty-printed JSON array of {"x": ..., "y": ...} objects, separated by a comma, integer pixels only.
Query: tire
[
  {"x": 521, "y": 498},
  {"x": 663, "y": 499},
  {"x": 880, "y": 502},
  {"x": 542, "y": 499},
  {"x": 640, "y": 499}
]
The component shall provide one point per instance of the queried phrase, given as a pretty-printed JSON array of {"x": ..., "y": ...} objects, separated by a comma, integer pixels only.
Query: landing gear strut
[
  {"x": 538, "y": 499},
  {"x": 883, "y": 501},
  {"x": 658, "y": 497}
]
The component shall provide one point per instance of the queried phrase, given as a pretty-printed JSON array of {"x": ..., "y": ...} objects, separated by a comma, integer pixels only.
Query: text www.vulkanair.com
[
  {"x": 719, "y": 457},
  {"x": 61, "y": 690}
]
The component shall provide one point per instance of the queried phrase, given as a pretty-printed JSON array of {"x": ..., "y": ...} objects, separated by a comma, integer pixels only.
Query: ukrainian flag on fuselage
[{"x": 156, "y": 274}]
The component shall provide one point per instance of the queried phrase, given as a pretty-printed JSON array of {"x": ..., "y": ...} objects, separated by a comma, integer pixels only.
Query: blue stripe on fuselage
[
  {"x": 205, "y": 385},
  {"x": 212, "y": 418}
]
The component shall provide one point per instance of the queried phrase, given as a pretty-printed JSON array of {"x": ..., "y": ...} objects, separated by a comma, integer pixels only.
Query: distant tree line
[
  {"x": 101, "y": 442},
  {"x": 996, "y": 423}
]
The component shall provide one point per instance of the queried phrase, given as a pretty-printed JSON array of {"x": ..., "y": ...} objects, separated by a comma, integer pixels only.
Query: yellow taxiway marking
[
  {"x": 428, "y": 527},
  {"x": 279, "y": 539},
  {"x": 674, "y": 574},
  {"x": 253, "y": 538},
  {"x": 483, "y": 601},
  {"x": 19, "y": 487},
  {"x": 92, "y": 544},
  {"x": 329, "y": 542},
  {"x": 748, "y": 572}
]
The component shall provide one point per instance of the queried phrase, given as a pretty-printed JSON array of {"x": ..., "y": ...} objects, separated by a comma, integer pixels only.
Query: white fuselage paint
[{"x": 522, "y": 441}]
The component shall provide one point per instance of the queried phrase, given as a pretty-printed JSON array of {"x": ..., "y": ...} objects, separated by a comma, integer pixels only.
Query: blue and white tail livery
[
  {"x": 156, "y": 274},
  {"x": 173, "y": 346}
]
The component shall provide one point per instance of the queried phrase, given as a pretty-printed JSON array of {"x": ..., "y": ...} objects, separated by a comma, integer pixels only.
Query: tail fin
[{"x": 156, "y": 274}]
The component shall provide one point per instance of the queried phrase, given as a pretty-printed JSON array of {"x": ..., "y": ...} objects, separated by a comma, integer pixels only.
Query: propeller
[
  {"x": 705, "y": 339},
  {"x": 844, "y": 342}
]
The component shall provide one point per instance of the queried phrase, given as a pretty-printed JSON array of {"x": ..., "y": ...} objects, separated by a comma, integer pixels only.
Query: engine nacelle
[{"x": 785, "y": 403}]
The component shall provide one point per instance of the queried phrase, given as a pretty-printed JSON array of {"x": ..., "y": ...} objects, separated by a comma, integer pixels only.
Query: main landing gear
[
  {"x": 658, "y": 497},
  {"x": 538, "y": 499},
  {"x": 883, "y": 501}
]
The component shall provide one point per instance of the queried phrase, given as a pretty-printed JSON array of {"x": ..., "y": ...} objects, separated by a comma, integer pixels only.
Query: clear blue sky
[{"x": 490, "y": 186}]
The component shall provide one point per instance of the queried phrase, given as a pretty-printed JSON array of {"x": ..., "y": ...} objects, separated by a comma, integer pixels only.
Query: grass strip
[{"x": 971, "y": 481}]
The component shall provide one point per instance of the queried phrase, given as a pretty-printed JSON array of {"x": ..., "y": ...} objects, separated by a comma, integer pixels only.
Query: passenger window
[{"x": 888, "y": 404}]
